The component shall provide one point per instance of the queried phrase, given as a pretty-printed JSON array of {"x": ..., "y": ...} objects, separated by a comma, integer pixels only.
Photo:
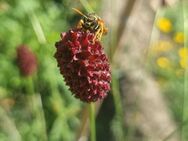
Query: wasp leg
[
  {"x": 101, "y": 31},
  {"x": 97, "y": 35}
]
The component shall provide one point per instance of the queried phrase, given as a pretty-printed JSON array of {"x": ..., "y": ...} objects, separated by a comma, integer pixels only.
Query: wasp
[{"x": 93, "y": 23}]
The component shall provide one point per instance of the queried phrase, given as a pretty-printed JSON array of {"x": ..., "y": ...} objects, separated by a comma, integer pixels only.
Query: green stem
[
  {"x": 92, "y": 121},
  {"x": 30, "y": 88},
  {"x": 118, "y": 106},
  {"x": 36, "y": 106}
]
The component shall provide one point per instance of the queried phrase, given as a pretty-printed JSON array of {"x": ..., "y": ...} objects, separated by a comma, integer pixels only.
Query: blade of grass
[
  {"x": 84, "y": 126},
  {"x": 87, "y": 6},
  {"x": 37, "y": 28},
  {"x": 185, "y": 93},
  {"x": 8, "y": 125},
  {"x": 118, "y": 105},
  {"x": 126, "y": 12}
]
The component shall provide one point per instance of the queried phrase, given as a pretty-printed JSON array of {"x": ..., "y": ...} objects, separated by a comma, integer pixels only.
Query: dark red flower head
[
  {"x": 27, "y": 61},
  {"x": 84, "y": 65}
]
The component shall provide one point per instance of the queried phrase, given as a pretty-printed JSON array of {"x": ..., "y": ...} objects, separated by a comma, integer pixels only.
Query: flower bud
[{"x": 83, "y": 64}]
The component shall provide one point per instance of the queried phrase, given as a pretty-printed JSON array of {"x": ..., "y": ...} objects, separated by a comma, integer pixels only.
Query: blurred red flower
[{"x": 27, "y": 61}]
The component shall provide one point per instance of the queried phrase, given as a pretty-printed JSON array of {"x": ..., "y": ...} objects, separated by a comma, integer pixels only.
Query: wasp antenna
[{"x": 78, "y": 11}]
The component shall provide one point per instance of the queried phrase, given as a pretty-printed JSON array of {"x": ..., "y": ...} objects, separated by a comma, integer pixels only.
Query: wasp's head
[{"x": 91, "y": 22}]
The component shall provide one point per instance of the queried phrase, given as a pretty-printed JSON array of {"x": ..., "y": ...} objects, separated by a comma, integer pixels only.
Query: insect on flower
[
  {"x": 82, "y": 61},
  {"x": 93, "y": 23}
]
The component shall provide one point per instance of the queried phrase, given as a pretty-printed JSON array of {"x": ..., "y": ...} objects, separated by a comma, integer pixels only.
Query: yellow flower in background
[
  {"x": 163, "y": 62},
  {"x": 179, "y": 37},
  {"x": 162, "y": 46},
  {"x": 183, "y": 52},
  {"x": 164, "y": 24}
]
